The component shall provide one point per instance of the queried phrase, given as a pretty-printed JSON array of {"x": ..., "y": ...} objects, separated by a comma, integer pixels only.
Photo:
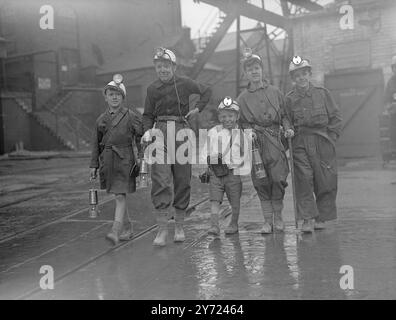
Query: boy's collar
[
  {"x": 253, "y": 88},
  {"x": 236, "y": 127},
  {"x": 159, "y": 83},
  {"x": 114, "y": 111}
]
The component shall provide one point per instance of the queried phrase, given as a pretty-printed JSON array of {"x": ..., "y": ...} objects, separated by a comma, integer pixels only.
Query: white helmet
[
  {"x": 298, "y": 63},
  {"x": 164, "y": 54},
  {"x": 228, "y": 104},
  {"x": 116, "y": 84},
  {"x": 249, "y": 57}
]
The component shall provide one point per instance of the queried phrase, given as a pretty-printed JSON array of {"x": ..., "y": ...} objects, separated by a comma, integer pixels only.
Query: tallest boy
[{"x": 167, "y": 104}]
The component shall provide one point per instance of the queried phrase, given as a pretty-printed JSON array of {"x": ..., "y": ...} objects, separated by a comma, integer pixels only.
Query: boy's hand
[
  {"x": 94, "y": 172},
  {"x": 289, "y": 133},
  {"x": 149, "y": 134},
  {"x": 205, "y": 176}
]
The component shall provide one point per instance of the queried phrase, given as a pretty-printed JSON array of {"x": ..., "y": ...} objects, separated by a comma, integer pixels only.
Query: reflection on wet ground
[{"x": 246, "y": 265}]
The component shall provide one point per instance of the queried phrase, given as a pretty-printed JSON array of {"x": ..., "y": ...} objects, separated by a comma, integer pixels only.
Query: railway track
[{"x": 74, "y": 269}]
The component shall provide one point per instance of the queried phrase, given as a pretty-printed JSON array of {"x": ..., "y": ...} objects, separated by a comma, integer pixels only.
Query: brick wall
[{"x": 315, "y": 36}]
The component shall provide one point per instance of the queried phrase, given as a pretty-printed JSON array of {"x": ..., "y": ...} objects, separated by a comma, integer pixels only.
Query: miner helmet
[
  {"x": 116, "y": 84},
  {"x": 228, "y": 104},
  {"x": 250, "y": 58},
  {"x": 298, "y": 63},
  {"x": 164, "y": 54}
]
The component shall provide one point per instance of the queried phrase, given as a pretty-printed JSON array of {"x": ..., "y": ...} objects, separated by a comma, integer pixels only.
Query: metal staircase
[
  {"x": 66, "y": 127},
  {"x": 212, "y": 42}
]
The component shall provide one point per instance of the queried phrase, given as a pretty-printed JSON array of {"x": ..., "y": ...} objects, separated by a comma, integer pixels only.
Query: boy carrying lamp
[{"x": 113, "y": 154}]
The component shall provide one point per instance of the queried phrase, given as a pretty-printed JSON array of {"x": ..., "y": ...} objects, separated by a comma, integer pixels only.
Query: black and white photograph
[{"x": 195, "y": 155}]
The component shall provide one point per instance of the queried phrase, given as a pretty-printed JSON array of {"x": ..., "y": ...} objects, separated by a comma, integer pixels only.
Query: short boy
[{"x": 227, "y": 161}]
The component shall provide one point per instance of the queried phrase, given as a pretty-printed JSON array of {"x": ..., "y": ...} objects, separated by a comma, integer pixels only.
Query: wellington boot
[
  {"x": 179, "y": 222},
  {"x": 214, "y": 225},
  {"x": 307, "y": 226},
  {"x": 160, "y": 239},
  {"x": 127, "y": 232},
  {"x": 266, "y": 229}
]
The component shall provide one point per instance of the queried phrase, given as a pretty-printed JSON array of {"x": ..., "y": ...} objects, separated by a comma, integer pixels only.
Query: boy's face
[
  {"x": 113, "y": 98},
  {"x": 254, "y": 72},
  {"x": 165, "y": 70},
  {"x": 302, "y": 77},
  {"x": 228, "y": 118}
]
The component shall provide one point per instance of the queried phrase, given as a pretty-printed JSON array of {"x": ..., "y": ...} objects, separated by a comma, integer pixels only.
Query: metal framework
[{"x": 233, "y": 10}]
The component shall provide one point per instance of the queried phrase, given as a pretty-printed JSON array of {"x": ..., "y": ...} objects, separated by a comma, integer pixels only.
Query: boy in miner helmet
[
  {"x": 227, "y": 159},
  {"x": 263, "y": 111},
  {"x": 317, "y": 123},
  {"x": 113, "y": 154},
  {"x": 167, "y": 106}
]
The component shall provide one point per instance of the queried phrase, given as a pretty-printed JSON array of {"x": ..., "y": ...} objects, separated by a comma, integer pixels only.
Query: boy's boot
[
  {"x": 127, "y": 231},
  {"x": 266, "y": 208},
  {"x": 277, "y": 206},
  {"x": 307, "y": 226},
  {"x": 319, "y": 225},
  {"x": 162, "y": 221},
  {"x": 114, "y": 234},
  {"x": 179, "y": 221},
  {"x": 214, "y": 224},
  {"x": 233, "y": 226}
]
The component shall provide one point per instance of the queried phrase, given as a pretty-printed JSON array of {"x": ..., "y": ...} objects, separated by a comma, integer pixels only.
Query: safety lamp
[
  {"x": 297, "y": 60},
  {"x": 117, "y": 78},
  {"x": 227, "y": 101},
  {"x": 159, "y": 52},
  {"x": 93, "y": 201},
  {"x": 247, "y": 53}
]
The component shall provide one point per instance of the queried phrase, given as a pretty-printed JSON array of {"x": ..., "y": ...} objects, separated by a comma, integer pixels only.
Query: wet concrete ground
[{"x": 247, "y": 265}]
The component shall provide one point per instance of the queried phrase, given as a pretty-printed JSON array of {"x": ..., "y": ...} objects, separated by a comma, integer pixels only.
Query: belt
[
  {"x": 315, "y": 131},
  {"x": 272, "y": 130},
  {"x": 170, "y": 118},
  {"x": 116, "y": 149}
]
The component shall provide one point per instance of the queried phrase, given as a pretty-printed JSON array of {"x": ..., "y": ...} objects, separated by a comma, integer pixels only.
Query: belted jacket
[{"x": 314, "y": 109}]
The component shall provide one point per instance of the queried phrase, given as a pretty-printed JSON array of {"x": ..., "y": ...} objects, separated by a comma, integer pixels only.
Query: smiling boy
[
  {"x": 113, "y": 155},
  {"x": 262, "y": 110},
  {"x": 225, "y": 154},
  {"x": 167, "y": 104},
  {"x": 317, "y": 122}
]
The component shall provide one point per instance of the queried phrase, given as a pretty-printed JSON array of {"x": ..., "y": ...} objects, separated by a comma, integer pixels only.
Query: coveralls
[
  {"x": 161, "y": 106},
  {"x": 263, "y": 109},
  {"x": 317, "y": 123}
]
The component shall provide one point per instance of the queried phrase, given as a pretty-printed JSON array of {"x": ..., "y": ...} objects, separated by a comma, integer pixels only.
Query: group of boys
[{"x": 262, "y": 116}]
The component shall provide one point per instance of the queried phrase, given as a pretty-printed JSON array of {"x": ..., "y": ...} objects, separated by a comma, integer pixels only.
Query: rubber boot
[
  {"x": 127, "y": 231},
  {"x": 277, "y": 206},
  {"x": 179, "y": 221},
  {"x": 319, "y": 225},
  {"x": 233, "y": 226},
  {"x": 307, "y": 226},
  {"x": 162, "y": 221},
  {"x": 114, "y": 234},
  {"x": 214, "y": 225},
  {"x": 266, "y": 208}
]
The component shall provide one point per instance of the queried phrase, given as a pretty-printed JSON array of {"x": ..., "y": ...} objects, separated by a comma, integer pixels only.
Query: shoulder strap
[
  {"x": 228, "y": 148},
  {"x": 114, "y": 123}
]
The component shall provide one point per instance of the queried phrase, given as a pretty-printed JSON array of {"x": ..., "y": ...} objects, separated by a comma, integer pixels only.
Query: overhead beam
[
  {"x": 250, "y": 11},
  {"x": 307, "y": 4}
]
